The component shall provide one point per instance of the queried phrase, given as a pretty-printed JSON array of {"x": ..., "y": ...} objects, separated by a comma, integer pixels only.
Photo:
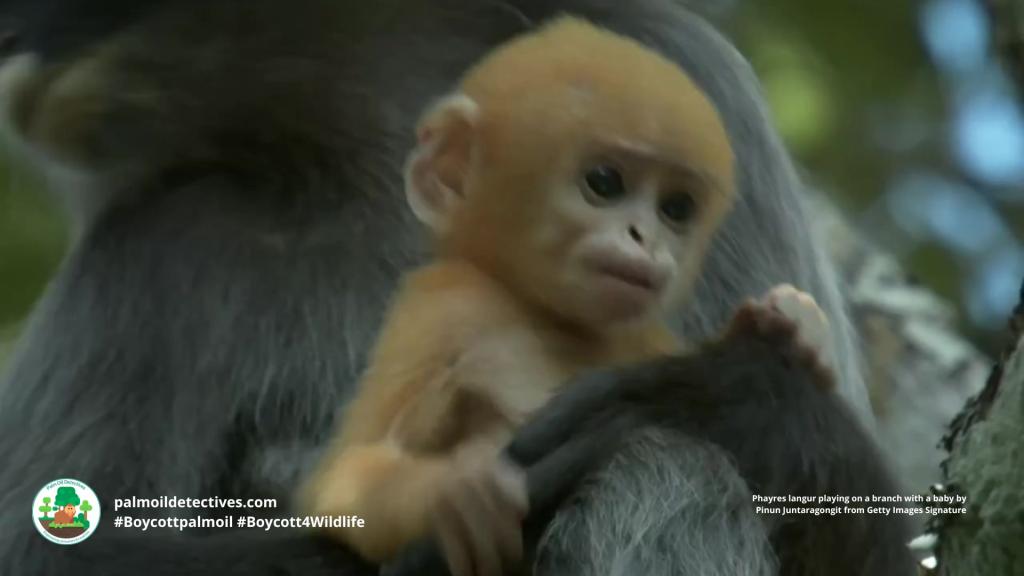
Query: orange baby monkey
[{"x": 573, "y": 184}]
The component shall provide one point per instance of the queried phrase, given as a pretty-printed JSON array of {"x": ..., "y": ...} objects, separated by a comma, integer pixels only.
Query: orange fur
[
  {"x": 569, "y": 83},
  {"x": 465, "y": 354}
]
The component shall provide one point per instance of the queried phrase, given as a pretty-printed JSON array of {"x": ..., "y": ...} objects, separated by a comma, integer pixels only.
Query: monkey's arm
[
  {"x": 390, "y": 489},
  {"x": 746, "y": 394},
  {"x": 386, "y": 482},
  {"x": 416, "y": 432}
]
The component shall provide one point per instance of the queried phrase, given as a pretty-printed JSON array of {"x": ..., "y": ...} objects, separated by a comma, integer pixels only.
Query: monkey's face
[
  {"x": 596, "y": 222},
  {"x": 619, "y": 237},
  {"x": 591, "y": 194}
]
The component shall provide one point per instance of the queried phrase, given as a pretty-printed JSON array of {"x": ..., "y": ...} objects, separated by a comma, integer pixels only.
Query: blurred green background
[
  {"x": 904, "y": 116},
  {"x": 33, "y": 236},
  {"x": 898, "y": 110}
]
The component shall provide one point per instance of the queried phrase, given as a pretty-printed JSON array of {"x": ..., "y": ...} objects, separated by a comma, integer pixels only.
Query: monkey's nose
[{"x": 635, "y": 234}]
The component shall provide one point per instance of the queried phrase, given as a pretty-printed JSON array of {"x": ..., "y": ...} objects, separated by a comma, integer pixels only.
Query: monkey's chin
[{"x": 617, "y": 301}]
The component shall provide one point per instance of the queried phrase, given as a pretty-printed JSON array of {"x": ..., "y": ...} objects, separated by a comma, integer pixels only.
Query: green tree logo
[
  {"x": 85, "y": 508},
  {"x": 46, "y": 508},
  {"x": 71, "y": 503}
]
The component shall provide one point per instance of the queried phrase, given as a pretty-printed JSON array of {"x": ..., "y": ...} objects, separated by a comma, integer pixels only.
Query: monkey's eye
[
  {"x": 677, "y": 209},
  {"x": 604, "y": 184}
]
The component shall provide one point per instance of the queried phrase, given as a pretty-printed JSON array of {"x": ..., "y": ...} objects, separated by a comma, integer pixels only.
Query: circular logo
[{"x": 66, "y": 511}]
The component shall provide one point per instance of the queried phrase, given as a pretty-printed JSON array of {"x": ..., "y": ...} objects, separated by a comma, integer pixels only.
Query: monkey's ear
[{"x": 436, "y": 172}]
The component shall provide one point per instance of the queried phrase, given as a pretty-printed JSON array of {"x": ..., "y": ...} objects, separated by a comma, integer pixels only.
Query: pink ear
[{"x": 437, "y": 167}]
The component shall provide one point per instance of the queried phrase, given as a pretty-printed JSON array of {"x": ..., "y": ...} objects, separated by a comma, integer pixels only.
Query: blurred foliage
[
  {"x": 33, "y": 236},
  {"x": 854, "y": 91},
  {"x": 862, "y": 101}
]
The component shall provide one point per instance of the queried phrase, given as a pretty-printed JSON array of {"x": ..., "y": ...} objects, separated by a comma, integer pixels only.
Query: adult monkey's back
[{"x": 234, "y": 172}]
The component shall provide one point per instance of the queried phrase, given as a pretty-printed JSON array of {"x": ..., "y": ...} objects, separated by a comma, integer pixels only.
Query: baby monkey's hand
[
  {"x": 478, "y": 516},
  {"x": 793, "y": 321}
]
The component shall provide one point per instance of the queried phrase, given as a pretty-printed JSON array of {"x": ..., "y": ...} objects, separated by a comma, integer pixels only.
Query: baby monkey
[{"x": 573, "y": 184}]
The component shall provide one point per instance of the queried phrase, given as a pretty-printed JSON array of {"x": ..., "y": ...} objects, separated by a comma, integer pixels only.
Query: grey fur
[
  {"x": 766, "y": 241},
  {"x": 204, "y": 328},
  {"x": 785, "y": 250},
  {"x": 686, "y": 514}
]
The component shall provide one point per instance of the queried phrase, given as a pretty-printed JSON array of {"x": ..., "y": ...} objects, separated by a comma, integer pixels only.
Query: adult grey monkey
[{"x": 233, "y": 171}]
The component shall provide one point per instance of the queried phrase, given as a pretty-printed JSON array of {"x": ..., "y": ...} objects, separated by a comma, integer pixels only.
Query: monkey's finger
[
  {"x": 763, "y": 319},
  {"x": 811, "y": 322},
  {"x": 508, "y": 542},
  {"x": 476, "y": 515},
  {"x": 774, "y": 324},
  {"x": 507, "y": 500},
  {"x": 744, "y": 319},
  {"x": 452, "y": 539},
  {"x": 511, "y": 481}
]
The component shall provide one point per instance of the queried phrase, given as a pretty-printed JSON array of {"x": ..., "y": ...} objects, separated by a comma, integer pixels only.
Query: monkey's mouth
[
  {"x": 631, "y": 277},
  {"x": 632, "y": 274}
]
